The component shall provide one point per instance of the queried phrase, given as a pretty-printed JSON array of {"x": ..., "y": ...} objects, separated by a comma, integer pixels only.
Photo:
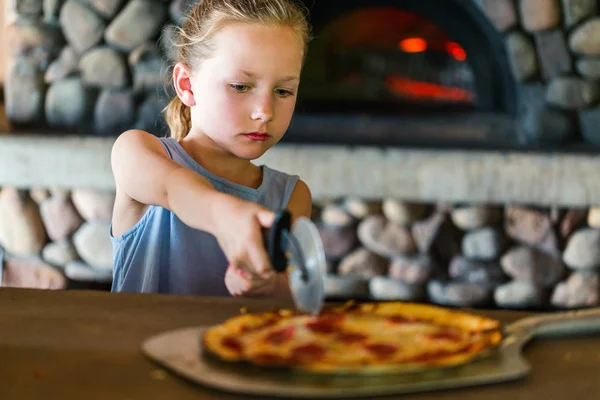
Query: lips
[{"x": 257, "y": 136}]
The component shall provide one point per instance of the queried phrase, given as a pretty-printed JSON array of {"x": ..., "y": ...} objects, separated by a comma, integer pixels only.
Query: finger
[
  {"x": 258, "y": 287},
  {"x": 246, "y": 284},
  {"x": 261, "y": 287},
  {"x": 261, "y": 265},
  {"x": 243, "y": 272},
  {"x": 265, "y": 218},
  {"x": 230, "y": 284},
  {"x": 242, "y": 278},
  {"x": 235, "y": 282},
  {"x": 242, "y": 264},
  {"x": 246, "y": 271},
  {"x": 236, "y": 287}
]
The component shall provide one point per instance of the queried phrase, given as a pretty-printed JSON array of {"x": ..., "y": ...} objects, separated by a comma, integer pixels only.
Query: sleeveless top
[{"x": 160, "y": 254}]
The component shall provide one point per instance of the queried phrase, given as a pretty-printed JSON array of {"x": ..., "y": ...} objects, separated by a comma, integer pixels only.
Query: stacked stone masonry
[
  {"x": 553, "y": 48},
  {"x": 459, "y": 255},
  {"x": 99, "y": 65},
  {"x": 462, "y": 255},
  {"x": 64, "y": 234},
  {"x": 90, "y": 65}
]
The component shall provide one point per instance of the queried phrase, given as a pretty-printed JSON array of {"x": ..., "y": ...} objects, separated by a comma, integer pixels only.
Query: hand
[
  {"x": 239, "y": 231},
  {"x": 242, "y": 283}
]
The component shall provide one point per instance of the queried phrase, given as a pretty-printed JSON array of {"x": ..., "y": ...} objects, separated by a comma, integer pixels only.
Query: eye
[
  {"x": 284, "y": 92},
  {"x": 239, "y": 87}
]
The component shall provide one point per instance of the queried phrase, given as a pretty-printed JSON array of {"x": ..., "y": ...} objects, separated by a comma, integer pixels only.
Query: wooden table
[{"x": 85, "y": 345}]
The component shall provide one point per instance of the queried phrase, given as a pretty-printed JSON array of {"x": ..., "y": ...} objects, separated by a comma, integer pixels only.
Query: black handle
[{"x": 274, "y": 240}]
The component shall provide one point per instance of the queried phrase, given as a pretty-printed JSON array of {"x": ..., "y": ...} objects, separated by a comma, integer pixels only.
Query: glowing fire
[
  {"x": 419, "y": 45},
  {"x": 427, "y": 90},
  {"x": 456, "y": 51},
  {"x": 413, "y": 45}
]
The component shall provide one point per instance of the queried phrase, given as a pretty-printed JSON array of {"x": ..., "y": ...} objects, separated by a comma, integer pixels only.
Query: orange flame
[
  {"x": 426, "y": 90},
  {"x": 413, "y": 45},
  {"x": 456, "y": 51}
]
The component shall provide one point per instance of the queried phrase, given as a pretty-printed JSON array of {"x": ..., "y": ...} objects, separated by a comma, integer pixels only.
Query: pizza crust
[{"x": 370, "y": 338}]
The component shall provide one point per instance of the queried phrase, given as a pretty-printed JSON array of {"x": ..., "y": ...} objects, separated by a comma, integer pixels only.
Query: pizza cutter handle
[{"x": 274, "y": 238}]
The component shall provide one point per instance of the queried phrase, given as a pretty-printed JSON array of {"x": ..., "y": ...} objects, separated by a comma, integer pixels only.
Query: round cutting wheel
[{"x": 308, "y": 289}]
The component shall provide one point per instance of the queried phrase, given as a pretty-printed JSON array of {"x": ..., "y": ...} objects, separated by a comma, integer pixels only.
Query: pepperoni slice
[
  {"x": 445, "y": 335},
  {"x": 382, "y": 350},
  {"x": 232, "y": 344},
  {"x": 324, "y": 325},
  {"x": 398, "y": 319},
  {"x": 282, "y": 335},
  {"x": 308, "y": 352},
  {"x": 349, "y": 337}
]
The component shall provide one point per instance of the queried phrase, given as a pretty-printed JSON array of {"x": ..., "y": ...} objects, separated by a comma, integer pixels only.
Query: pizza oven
[
  {"x": 406, "y": 72},
  {"x": 496, "y": 74}
]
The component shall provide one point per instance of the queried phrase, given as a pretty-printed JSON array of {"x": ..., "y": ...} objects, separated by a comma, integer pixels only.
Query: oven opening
[{"x": 388, "y": 73}]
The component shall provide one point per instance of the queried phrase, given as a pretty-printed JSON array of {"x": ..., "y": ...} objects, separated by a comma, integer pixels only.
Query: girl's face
[{"x": 244, "y": 94}]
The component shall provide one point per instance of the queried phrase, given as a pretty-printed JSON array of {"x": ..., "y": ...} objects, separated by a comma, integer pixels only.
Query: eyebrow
[{"x": 287, "y": 78}]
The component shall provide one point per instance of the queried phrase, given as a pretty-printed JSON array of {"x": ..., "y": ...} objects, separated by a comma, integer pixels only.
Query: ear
[{"x": 183, "y": 84}]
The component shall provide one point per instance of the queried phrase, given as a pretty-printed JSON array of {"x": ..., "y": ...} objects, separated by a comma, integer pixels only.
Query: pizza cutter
[{"x": 298, "y": 249}]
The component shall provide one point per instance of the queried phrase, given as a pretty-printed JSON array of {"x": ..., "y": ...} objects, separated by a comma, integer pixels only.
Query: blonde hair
[{"x": 206, "y": 18}]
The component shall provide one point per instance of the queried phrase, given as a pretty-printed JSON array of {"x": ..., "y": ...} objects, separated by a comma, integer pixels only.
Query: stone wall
[
  {"x": 461, "y": 255},
  {"x": 97, "y": 66},
  {"x": 553, "y": 47},
  {"x": 93, "y": 66},
  {"x": 63, "y": 233}
]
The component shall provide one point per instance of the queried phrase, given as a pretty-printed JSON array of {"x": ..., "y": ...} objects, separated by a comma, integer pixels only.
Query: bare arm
[
  {"x": 145, "y": 175},
  {"x": 144, "y": 172}
]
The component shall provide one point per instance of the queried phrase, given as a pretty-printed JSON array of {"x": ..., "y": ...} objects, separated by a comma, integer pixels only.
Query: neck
[{"x": 221, "y": 162}]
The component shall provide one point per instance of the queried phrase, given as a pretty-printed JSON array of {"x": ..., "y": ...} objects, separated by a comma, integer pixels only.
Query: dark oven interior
[{"x": 402, "y": 72}]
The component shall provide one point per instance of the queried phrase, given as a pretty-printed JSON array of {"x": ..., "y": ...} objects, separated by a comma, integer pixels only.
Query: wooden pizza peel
[{"x": 180, "y": 352}]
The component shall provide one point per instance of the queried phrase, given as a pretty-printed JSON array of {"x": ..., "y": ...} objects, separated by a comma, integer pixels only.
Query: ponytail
[{"x": 177, "y": 116}]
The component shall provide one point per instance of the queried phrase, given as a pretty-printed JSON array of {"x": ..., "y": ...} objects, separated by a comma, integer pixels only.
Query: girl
[{"x": 190, "y": 208}]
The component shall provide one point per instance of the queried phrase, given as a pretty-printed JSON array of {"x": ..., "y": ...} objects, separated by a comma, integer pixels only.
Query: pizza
[{"x": 368, "y": 338}]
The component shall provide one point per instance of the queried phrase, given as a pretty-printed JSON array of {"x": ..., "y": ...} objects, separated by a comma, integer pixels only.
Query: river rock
[
  {"x": 579, "y": 290},
  {"x": 22, "y": 231},
  {"x": 94, "y": 205},
  {"x": 363, "y": 263},
  {"x": 385, "y": 238},
  {"x": 384, "y": 288},
  {"x": 520, "y": 294},
  {"x": 93, "y": 244},
  {"x": 583, "y": 249}
]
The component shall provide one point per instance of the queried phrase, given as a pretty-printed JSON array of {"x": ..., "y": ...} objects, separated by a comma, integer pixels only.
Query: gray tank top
[{"x": 160, "y": 254}]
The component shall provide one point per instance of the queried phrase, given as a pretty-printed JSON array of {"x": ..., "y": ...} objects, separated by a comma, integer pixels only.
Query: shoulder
[
  {"x": 280, "y": 175},
  {"x": 135, "y": 140},
  {"x": 300, "y": 199},
  {"x": 300, "y": 204}
]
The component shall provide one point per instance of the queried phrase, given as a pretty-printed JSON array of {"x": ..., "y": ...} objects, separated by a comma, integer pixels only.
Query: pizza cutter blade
[
  {"x": 307, "y": 266},
  {"x": 299, "y": 251}
]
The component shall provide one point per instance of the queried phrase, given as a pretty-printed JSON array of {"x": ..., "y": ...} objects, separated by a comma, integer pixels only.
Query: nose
[{"x": 263, "y": 109}]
